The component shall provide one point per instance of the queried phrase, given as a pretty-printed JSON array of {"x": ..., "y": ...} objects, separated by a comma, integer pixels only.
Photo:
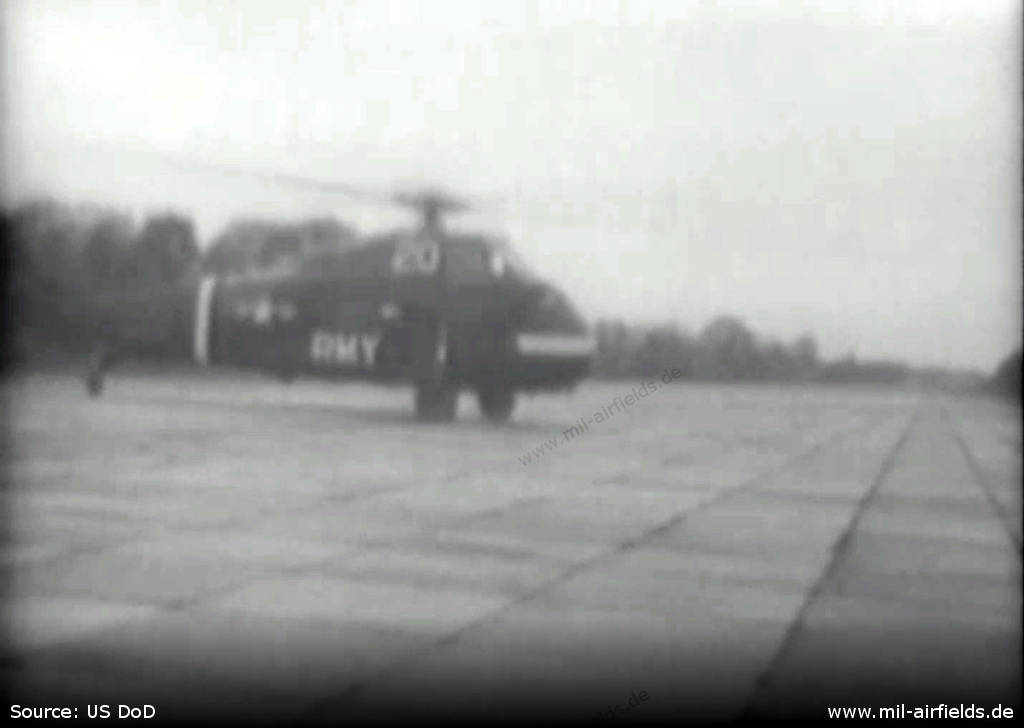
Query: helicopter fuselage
[{"x": 442, "y": 311}]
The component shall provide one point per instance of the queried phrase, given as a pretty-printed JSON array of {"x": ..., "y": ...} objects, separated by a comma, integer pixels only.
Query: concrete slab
[
  {"x": 633, "y": 589},
  {"x": 37, "y": 525},
  {"x": 306, "y": 658},
  {"x": 836, "y": 608},
  {"x": 244, "y": 532},
  {"x": 559, "y": 548},
  {"x": 550, "y": 521},
  {"x": 411, "y": 608},
  {"x": 912, "y": 553},
  {"x": 567, "y": 665},
  {"x": 923, "y": 603},
  {"x": 436, "y": 504},
  {"x": 883, "y": 664},
  {"x": 763, "y": 570},
  {"x": 152, "y": 509},
  {"x": 341, "y": 524},
  {"x": 120, "y": 574},
  {"x": 241, "y": 547},
  {"x": 954, "y": 590},
  {"x": 34, "y": 621},
  {"x": 783, "y": 533},
  {"x": 423, "y": 563},
  {"x": 22, "y": 554}
]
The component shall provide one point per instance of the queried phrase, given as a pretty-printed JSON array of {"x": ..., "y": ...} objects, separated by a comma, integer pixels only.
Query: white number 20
[{"x": 415, "y": 258}]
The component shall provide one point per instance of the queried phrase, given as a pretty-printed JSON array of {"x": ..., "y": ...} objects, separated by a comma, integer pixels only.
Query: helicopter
[{"x": 445, "y": 311}]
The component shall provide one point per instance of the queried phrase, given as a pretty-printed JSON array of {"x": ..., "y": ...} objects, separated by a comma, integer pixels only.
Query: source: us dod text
[{"x": 131, "y": 712}]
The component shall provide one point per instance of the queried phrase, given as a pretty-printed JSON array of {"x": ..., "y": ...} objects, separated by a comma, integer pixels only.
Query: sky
[{"x": 850, "y": 169}]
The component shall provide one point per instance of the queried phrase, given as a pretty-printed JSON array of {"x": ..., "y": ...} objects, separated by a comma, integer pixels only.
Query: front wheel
[
  {"x": 496, "y": 402},
  {"x": 436, "y": 401}
]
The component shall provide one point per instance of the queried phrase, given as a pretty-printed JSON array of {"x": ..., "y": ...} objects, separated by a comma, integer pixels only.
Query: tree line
[
  {"x": 59, "y": 258},
  {"x": 726, "y": 349}
]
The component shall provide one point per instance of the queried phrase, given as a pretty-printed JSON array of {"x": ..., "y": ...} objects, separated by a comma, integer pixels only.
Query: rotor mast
[{"x": 432, "y": 205}]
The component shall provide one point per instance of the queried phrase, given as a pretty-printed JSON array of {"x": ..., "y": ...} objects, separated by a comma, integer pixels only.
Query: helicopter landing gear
[
  {"x": 96, "y": 374},
  {"x": 436, "y": 401},
  {"x": 437, "y": 396},
  {"x": 496, "y": 402}
]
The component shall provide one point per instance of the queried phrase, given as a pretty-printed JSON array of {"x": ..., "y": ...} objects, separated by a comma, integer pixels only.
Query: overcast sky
[{"x": 849, "y": 169}]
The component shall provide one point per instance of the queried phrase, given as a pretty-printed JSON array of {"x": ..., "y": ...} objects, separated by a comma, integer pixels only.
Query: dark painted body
[{"x": 422, "y": 307}]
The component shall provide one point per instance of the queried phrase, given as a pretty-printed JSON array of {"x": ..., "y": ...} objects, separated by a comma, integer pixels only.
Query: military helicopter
[{"x": 442, "y": 310}]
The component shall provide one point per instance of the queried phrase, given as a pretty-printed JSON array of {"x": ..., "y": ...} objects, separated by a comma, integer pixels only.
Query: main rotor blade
[
  {"x": 291, "y": 180},
  {"x": 409, "y": 195}
]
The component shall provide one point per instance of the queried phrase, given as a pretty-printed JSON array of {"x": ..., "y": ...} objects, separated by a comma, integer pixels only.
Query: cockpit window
[
  {"x": 477, "y": 259},
  {"x": 517, "y": 263},
  {"x": 504, "y": 260}
]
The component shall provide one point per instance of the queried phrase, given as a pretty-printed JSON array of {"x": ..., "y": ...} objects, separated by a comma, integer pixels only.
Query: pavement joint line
[
  {"x": 72, "y": 554},
  {"x": 395, "y": 417},
  {"x": 751, "y": 483},
  {"x": 981, "y": 480},
  {"x": 677, "y": 459},
  {"x": 92, "y": 596},
  {"x": 163, "y": 606},
  {"x": 350, "y": 497},
  {"x": 184, "y": 604},
  {"x": 469, "y": 518},
  {"x": 271, "y": 511},
  {"x": 234, "y": 523},
  {"x": 838, "y": 550},
  {"x": 356, "y": 688}
]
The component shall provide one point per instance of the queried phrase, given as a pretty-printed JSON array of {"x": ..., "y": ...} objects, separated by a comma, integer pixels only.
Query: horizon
[{"x": 636, "y": 323}]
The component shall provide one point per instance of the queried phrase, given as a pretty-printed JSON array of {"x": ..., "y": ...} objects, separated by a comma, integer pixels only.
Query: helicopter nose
[
  {"x": 552, "y": 311},
  {"x": 553, "y": 327}
]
